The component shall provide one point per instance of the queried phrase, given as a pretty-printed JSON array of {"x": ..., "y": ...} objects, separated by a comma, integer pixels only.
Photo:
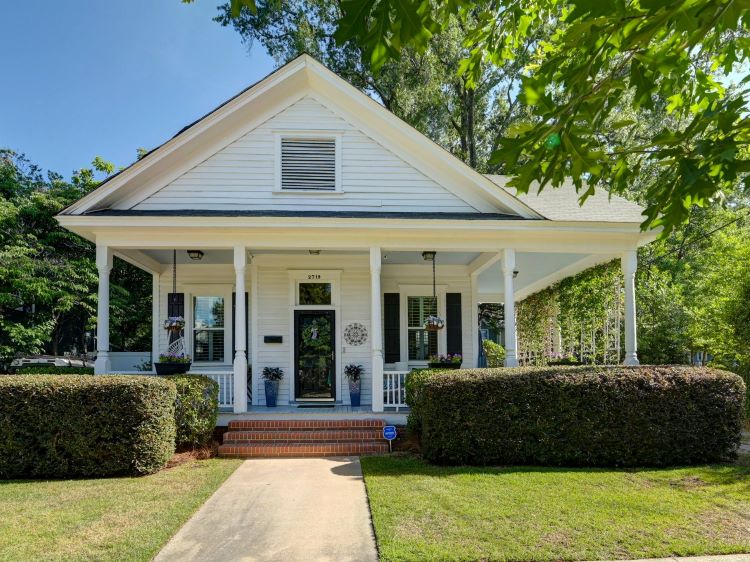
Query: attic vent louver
[{"x": 308, "y": 164}]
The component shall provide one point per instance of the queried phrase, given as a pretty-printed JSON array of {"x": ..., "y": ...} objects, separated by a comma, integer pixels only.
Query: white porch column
[
  {"x": 255, "y": 379},
  {"x": 509, "y": 266},
  {"x": 104, "y": 266},
  {"x": 474, "y": 316},
  {"x": 376, "y": 330},
  {"x": 629, "y": 263},
  {"x": 155, "y": 324},
  {"x": 240, "y": 332}
]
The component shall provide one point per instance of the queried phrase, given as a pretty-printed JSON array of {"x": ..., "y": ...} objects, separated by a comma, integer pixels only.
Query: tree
[
  {"x": 425, "y": 89},
  {"x": 669, "y": 56},
  {"x": 48, "y": 279}
]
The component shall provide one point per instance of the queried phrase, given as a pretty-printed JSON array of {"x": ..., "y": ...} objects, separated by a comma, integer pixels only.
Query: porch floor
[{"x": 337, "y": 412}]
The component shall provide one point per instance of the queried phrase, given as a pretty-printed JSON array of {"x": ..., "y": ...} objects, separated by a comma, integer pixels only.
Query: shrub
[
  {"x": 414, "y": 382},
  {"x": 494, "y": 353},
  {"x": 579, "y": 416},
  {"x": 196, "y": 409},
  {"x": 52, "y": 370},
  {"x": 65, "y": 426}
]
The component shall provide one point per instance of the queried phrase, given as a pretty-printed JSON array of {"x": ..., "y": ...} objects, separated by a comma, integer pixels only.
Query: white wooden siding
[
  {"x": 274, "y": 307},
  {"x": 242, "y": 175},
  {"x": 451, "y": 279},
  {"x": 274, "y": 318},
  {"x": 189, "y": 278}
]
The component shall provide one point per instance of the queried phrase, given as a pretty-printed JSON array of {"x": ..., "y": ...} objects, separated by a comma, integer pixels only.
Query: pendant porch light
[{"x": 433, "y": 323}]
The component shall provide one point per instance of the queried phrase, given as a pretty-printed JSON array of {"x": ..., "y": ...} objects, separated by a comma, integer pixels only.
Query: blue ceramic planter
[{"x": 272, "y": 390}]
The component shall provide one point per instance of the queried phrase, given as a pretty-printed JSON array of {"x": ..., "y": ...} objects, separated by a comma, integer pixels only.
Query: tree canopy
[
  {"x": 674, "y": 57},
  {"x": 48, "y": 278},
  {"x": 423, "y": 88}
]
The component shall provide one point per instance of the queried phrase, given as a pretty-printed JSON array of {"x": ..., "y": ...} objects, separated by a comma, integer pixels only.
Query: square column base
[{"x": 102, "y": 366}]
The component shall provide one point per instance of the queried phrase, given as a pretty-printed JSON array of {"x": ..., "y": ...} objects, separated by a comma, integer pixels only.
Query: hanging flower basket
[
  {"x": 434, "y": 324},
  {"x": 174, "y": 324}
]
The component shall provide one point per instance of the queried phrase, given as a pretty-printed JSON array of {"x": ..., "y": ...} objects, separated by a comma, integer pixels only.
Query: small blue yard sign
[{"x": 389, "y": 432}]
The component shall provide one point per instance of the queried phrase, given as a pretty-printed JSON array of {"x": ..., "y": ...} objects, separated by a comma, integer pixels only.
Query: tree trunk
[
  {"x": 464, "y": 125},
  {"x": 470, "y": 136}
]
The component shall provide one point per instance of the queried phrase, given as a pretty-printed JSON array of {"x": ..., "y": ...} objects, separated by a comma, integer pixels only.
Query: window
[
  {"x": 308, "y": 163},
  {"x": 421, "y": 343},
  {"x": 314, "y": 294},
  {"x": 208, "y": 329}
]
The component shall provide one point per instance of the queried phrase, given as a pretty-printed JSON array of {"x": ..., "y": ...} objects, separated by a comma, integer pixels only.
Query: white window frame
[
  {"x": 309, "y": 134},
  {"x": 406, "y": 291},
  {"x": 225, "y": 291}
]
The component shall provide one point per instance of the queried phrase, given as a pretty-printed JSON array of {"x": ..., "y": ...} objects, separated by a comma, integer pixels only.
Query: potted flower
[
  {"x": 449, "y": 361},
  {"x": 354, "y": 374},
  {"x": 173, "y": 364},
  {"x": 271, "y": 378}
]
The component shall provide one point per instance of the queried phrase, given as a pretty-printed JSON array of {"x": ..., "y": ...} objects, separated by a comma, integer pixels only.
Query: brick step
[
  {"x": 322, "y": 449},
  {"x": 302, "y": 435},
  {"x": 364, "y": 423}
]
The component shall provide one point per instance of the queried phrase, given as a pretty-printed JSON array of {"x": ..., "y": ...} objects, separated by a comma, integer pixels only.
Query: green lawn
[
  {"x": 103, "y": 519},
  {"x": 423, "y": 512}
]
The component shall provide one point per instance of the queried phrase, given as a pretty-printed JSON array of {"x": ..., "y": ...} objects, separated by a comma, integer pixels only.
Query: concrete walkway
[{"x": 281, "y": 509}]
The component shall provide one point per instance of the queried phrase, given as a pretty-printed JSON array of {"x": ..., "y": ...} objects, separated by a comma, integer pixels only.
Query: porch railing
[
  {"x": 394, "y": 389},
  {"x": 226, "y": 387}
]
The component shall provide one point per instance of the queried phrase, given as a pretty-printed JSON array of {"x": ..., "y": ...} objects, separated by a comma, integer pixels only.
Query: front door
[{"x": 314, "y": 355}]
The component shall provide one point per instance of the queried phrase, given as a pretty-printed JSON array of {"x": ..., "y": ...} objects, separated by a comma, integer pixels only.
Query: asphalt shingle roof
[{"x": 561, "y": 203}]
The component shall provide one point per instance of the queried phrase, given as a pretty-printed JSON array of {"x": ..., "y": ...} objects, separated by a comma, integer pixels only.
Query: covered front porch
[{"x": 373, "y": 301}]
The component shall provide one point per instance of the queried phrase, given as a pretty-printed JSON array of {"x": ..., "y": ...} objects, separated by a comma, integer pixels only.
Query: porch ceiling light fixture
[
  {"x": 314, "y": 252},
  {"x": 433, "y": 323},
  {"x": 196, "y": 255}
]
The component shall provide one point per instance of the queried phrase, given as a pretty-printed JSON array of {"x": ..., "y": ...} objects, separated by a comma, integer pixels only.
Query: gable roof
[
  {"x": 251, "y": 107},
  {"x": 562, "y": 203}
]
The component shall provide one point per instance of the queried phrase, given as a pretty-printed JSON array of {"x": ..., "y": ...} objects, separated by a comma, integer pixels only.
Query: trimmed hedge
[
  {"x": 196, "y": 409},
  {"x": 63, "y": 426},
  {"x": 578, "y": 416},
  {"x": 52, "y": 370}
]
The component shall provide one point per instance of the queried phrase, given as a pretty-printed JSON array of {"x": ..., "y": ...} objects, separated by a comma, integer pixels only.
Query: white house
[{"x": 311, "y": 203}]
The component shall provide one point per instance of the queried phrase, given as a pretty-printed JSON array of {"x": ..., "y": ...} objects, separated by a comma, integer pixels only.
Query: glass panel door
[{"x": 315, "y": 354}]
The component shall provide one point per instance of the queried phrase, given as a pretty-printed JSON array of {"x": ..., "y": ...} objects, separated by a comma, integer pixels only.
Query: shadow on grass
[{"x": 408, "y": 464}]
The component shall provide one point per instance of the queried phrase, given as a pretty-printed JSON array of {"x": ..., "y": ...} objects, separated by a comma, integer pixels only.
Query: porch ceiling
[
  {"x": 210, "y": 257},
  {"x": 221, "y": 256},
  {"x": 442, "y": 258},
  {"x": 536, "y": 271}
]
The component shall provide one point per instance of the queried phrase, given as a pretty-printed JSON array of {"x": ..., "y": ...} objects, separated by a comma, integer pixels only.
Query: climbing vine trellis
[{"x": 580, "y": 317}]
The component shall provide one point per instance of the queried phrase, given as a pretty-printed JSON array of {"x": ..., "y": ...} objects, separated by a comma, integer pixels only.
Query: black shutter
[
  {"x": 234, "y": 308},
  {"x": 453, "y": 323},
  {"x": 176, "y": 304},
  {"x": 391, "y": 327}
]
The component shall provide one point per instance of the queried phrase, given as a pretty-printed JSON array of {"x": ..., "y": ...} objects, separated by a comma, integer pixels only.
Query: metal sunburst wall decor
[{"x": 355, "y": 334}]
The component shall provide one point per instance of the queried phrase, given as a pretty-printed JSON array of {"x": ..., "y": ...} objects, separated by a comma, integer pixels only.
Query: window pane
[
  {"x": 209, "y": 312},
  {"x": 421, "y": 344},
  {"x": 419, "y": 308},
  {"x": 208, "y": 345},
  {"x": 314, "y": 293}
]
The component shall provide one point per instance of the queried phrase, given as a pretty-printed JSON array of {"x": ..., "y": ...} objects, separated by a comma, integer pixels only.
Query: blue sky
[{"x": 87, "y": 78}]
